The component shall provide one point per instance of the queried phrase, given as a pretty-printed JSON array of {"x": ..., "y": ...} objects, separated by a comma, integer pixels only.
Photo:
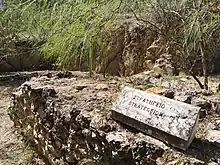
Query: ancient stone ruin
[
  {"x": 66, "y": 116},
  {"x": 68, "y": 121}
]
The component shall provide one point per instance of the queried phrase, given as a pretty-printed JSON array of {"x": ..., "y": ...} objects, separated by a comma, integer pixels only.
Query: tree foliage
[
  {"x": 66, "y": 32},
  {"x": 190, "y": 30},
  {"x": 71, "y": 33}
]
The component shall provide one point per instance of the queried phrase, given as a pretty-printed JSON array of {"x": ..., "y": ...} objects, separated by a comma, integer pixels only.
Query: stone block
[{"x": 168, "y": 120}]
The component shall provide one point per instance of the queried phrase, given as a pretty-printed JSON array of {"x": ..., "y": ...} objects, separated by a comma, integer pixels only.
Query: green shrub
[
  {"x": 66, "y": 32},
  {"x": 71, "y": 33}
]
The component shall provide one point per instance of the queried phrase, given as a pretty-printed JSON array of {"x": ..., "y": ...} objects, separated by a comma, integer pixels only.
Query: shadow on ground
[{"x": 203, "y": 150}]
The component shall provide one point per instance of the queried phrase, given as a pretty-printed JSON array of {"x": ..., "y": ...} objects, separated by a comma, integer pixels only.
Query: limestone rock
[
  {"x": 80, "y": 87},
  {"x": 86, "y": 162},
  {"x": 143, "y": 78},
  {"x": 78, "y": 129},
  {"x": 158, "y": 70},
  {"x": 185, "y": 99},
  {"x": 169, "y": 94},
  {"x": 214, "y": 137},
  {"x": 211, "y": 126},
  {"x": 101, "y": 87},
  {"x": 204, "y": 104},
  {"x": 149, "y": 64},
  {"x": 178, "y": 159},
  {"x": 207, "y": 92},
  {"x": 164, "y": 66},
  {"x": 212, "y": 163},
  {"x": 69, "y": 126}
]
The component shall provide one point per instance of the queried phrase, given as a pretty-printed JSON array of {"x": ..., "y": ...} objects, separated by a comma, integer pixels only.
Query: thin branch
[
  {"x": 159, "y": 31},
  {"x": 187, "y": 71}
]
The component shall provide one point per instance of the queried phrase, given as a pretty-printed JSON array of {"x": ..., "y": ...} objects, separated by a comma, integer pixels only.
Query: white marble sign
[{"x": 171, "y": 121}]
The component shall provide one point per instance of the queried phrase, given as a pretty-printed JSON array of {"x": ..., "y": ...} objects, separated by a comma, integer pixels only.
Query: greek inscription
[
  {"x": 145, "y": 108},
  {"x": 135, "y": 105},
  {"x": 157, "y": 104},
  {"x": 162, "y": 106},
  {"x": 151, "y": 102},
  {"x": 161, "y": 114}
]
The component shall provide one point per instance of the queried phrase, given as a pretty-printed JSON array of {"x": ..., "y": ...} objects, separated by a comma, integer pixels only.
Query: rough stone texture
[
  {"x": 185, "y": 99},
  {"x": 214, "y": 136},
  {"x": 186, "y": 89},
  {"x": 169, "y": 94},
  {"x": 90, "y": 97},
  {"x": 163, "y": 65},
  {"x": 213, "y": 132},
  {"x": 178, "y": 159},
  {"x": 144, "y": 78},
  {"x": 127, "y": 48},
  {"x": 168, "y": 120},
  {"x": 68, "y": 122}
]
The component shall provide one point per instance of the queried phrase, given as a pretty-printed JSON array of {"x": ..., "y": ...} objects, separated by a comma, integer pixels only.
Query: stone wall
[
  {"x": 70, "y": 123},
  {"x": 66, "y": 117}
]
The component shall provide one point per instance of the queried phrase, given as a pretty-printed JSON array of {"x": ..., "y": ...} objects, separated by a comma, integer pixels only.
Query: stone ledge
[{"x": 67, "y": 130}]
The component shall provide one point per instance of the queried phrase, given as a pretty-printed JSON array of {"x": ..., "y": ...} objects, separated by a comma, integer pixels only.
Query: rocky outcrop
[
  {"x": 125, "y": 48},
  {"x": 68, "y": 121},
  {"x": 134, "y": 44}
]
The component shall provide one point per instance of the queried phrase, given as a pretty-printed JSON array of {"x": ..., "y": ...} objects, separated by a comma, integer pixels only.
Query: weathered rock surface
[
  {"x": 66, "y": 117},
  {"x": 163, "y": 65},
  {"x": 214, "y": 136},
  {"x": 165, "y": 119},
  {"x": 69, "y": 124}
]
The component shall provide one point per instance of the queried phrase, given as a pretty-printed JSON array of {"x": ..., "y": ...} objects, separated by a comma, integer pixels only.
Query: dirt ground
[{"x": 12, "y": 149}]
